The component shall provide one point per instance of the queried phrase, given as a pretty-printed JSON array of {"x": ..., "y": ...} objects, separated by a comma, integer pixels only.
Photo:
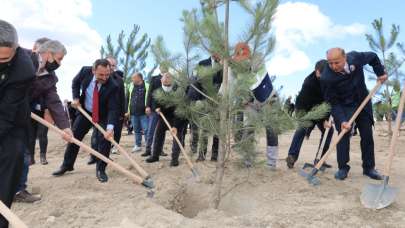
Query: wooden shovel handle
[
  {"x": 189, "y": 163},
  {"x": 90, "y": 150},
  {"x": 138, "y": 168},
  {"x": 11, "y": 217},
  {"x": 395, "y": 135},
  {"x": 344, "y": 131}
]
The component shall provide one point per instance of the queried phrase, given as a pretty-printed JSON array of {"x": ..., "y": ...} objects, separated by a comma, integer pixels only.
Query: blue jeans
[
  {"x": 153, "y": 119},
  {"x": 140, "y": 123},
  {"x": 22, "y": 185}
]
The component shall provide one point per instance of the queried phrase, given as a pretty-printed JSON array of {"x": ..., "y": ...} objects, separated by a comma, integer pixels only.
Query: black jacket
[
  {"x": 15, "y": 82},
  {"x": 108, "y": 95},
  {"x": 346, "y": 92},
  {"x": 121, "y": 93},
  {"x": 154, "y": 84},
  {"x": 44, "y": 92},
  {"x": 310, "y": 94},
  {"x": 192, "y": 93},
  {"x": 137, "y": 100},
  {"x": 169, "y": 112}
]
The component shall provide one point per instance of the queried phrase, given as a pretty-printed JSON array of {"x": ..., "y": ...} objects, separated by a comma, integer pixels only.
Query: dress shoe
[
  {"x": 62, "y": 170},
  {"x": 373, "y": 174},
  {"x": 43, "y": 159},
  {"x": 163, "y": 154},
  {"x": 101, "y": 176},
  {"x": 200, "y": 159},
  {"x": 174, "y": 163},
  {"x": 25, "y": 197},
  {"x": 92, "y": 160},
  {"x": 341, "y": 174},
  {"x": 214, "y": 159},
  {"x": 290, "y": 161},
  {"x": 146, "y": 154},
  {"x": 326, "y": 165},
  {"x": 152, "y": 159}
]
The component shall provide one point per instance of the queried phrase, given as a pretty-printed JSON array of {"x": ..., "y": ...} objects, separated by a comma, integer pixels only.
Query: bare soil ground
[{"x": 256, "y": 197}]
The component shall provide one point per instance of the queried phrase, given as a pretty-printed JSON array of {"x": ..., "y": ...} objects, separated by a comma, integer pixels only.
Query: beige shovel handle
[
  {"x": 138, "y": 168},
  {"x": 11, "y": 217},
  {"x": 344, "y": 131},
  {"x": 395, "y": 135},
  {"x": 90, "y": 150},
  {"x": 183, "y": 151}
]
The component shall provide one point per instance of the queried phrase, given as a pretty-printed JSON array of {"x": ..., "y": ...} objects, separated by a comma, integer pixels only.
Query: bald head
[{"x": 336, "y": 59}]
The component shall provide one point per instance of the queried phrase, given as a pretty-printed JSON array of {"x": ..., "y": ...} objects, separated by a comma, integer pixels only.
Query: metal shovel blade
[
  {"x": 148, "y": 183},
  {"x": 378, "y": 196},
  {"x": 311, "y": 178},
  {"x": 196, "y": 175}
]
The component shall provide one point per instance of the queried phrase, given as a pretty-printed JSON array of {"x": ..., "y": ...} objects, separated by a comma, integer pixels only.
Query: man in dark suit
[
  {"x": 16, "y": 74},
  {"x": 178, "y": 124},
  {"x": 97, "y": 93},
  {"x": 194, "y": 95},
  {"x": 344, "y": 87},
  {"x": 154, "y": 84},
  {"x": 309, "y": 96},
  {"x": 117, "y": 76}
]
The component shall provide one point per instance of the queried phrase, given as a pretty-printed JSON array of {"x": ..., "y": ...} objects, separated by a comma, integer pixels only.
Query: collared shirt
[
  {"x": 88, "y": 102},
  {"x": 346, "y": 69},
  {"x": 41, "y": 70}
]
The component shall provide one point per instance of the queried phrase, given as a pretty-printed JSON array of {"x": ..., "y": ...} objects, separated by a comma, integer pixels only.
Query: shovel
[
  {"x": 147, "y": 180},
  {"x": 183, "y": 151},
  {"x": 320, "y": 148},
  {"x": 378, "y": 196},
  {"x": 11, "y": 217},
  {"x": 311, "y": 176},
  {"x": 137, "y": 179}
]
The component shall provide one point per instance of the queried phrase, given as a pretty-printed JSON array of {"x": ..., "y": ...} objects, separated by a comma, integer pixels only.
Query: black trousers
[
  {"x": 159, "y": 139},
  {"x": 118, "y": 130},
  {"x": 364, "y": 124},
  {"x": 11, "y": 165},
  {"x": 80, "y": 128},
  {"x": 203, "y": 140},
  {"x": 37, "y": 130}
]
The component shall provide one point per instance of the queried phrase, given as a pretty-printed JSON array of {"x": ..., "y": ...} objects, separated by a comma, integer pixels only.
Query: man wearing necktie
[
  {"x": 343, "y": 86},
  {"x": 97, "y": 93}
]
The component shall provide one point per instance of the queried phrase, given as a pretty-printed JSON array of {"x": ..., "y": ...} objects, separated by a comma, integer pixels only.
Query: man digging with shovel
[
  {"x": 344, "y": 87},
  {"x": 309, "y": 97}
]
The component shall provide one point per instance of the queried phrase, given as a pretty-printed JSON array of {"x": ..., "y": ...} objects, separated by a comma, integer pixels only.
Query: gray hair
[
  {"x": 8, "y": 35},
  {"x": 42, "y": 40},
  {"x": 52, "y": 46}
]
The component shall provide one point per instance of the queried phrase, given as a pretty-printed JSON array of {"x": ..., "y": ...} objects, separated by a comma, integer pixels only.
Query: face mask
[
  {"x": 51, "y": 66},
  {"x": 167, "y": 88}
]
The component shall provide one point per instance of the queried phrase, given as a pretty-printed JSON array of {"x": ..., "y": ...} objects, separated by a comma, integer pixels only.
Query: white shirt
[{"x": 88, "y": 102}]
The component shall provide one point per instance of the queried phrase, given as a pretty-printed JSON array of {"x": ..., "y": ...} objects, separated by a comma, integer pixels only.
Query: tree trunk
[{"x": 224, "y": 117}]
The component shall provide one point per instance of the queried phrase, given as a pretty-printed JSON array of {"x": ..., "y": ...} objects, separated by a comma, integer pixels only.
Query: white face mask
[{"x": 167, "y": 88}]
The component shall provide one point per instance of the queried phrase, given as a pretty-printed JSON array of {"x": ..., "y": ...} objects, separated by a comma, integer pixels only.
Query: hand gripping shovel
[
  {"x": 137, "y": 179},
  {"x": 183, "y": 151},
  {"x": 320, "y": 148},
  {"x": 378, "y": 196},
  {"x": 311, "y": 176},
  {"x": 11, "y": 217},
  {"x": 147, "y": 180}
]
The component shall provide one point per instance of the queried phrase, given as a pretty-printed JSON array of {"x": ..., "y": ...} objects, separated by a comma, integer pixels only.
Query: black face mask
[{"x": 51, "y": 66}]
